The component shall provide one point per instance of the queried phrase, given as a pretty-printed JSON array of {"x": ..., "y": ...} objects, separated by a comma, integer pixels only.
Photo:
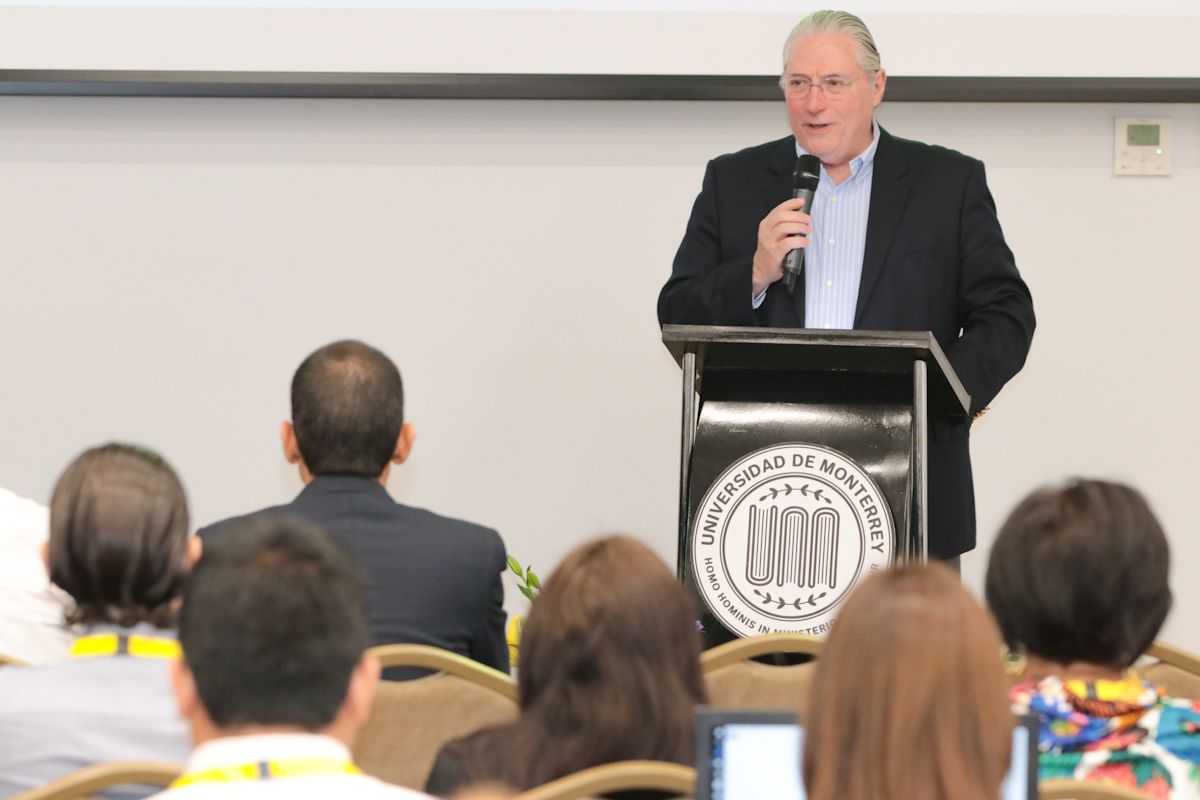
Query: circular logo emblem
[{"x": 784, "y": 534}]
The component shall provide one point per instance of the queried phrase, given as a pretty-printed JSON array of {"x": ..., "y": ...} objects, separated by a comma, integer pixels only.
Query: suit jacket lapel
[
  {"x": 889, "y": 195},
  {"x": 778, "y": 188}
]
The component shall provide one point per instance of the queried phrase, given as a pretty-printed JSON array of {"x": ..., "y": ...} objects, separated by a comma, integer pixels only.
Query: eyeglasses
[{"x": 799, "y": 86}]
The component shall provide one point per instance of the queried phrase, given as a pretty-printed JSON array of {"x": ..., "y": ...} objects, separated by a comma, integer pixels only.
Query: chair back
[
  {"x": 11, "y": 661},
  {"x": 1086, "y": 790},
  {"x": 89, "y": 780},
  {"x": 411, "y": 720},
  {"x": 620, "y": 776},
  {"x": 734, "y": 681},
  {"x": 1177, "y": 671}
]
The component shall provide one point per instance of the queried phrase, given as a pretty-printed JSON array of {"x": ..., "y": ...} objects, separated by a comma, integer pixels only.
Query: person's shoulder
[
  {"x": 222, "y": 526},
  {"x": 923, "y": 154},
  {"x": 756, "y": 154},
  {"x": 423, "y": 518}
]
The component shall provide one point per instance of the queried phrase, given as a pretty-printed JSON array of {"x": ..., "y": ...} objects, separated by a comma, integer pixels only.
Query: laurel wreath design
[
  {"x": 780, "y": 602},
  {"x": 804, "y": 491}
]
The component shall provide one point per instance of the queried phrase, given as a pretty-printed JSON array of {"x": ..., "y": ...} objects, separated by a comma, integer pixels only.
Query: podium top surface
[{"x": 816, "y": 350}]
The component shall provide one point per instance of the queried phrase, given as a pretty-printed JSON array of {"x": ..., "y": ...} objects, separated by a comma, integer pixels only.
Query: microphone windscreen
[{"x": 808, "y": 173}]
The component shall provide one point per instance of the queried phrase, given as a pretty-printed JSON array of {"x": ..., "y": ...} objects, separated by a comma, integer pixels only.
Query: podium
[{"x": 803, "y": 467}]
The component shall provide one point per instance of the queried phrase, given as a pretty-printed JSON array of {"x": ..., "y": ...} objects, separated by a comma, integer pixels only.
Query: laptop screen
[{"x": 749, "y": 755}]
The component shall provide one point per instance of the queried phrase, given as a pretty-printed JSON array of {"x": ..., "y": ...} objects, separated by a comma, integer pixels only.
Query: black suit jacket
[
  {"x": 430, "y": 579},
  {"x": 935, "y": 260}
]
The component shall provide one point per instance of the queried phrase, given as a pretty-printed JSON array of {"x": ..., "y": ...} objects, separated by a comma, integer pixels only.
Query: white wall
[{"x": 167, "y": 263}]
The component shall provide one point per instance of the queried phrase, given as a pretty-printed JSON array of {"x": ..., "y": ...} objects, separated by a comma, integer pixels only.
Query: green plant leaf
[
  {"x": 532, "y": 579},
  {"x": 526, "y": 591},
  {"x": 515, "y": 566}
]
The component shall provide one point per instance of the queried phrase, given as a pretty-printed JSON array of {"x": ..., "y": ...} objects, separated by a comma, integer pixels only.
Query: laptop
[{"x": 750, "y": 755}]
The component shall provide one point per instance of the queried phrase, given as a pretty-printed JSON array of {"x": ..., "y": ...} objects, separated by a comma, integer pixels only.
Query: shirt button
[
  {"x": 834, "y": 200},
  {"x": 826, "y": 324},
  {"x": 833, "y": 241},
  {"x": 829, "y": 283}
]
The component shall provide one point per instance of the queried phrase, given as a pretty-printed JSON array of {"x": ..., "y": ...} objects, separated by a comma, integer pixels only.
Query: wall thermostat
[{"x": 1142, "y": 146}]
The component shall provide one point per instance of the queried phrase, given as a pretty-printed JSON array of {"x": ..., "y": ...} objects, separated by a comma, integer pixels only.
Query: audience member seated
[
  {"x": 430, "y": 579},
  {"x": 610, "y": 671},
  {"x": 1077, "y": 580},
  {"x": 909, "y": 700},
  {"x": 275, "y": 680},
  {"x": 119, "y": 547},
  {"x": 31, "y": 610}
]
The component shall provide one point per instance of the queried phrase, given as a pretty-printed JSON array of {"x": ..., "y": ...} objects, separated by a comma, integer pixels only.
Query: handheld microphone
[{"x": 804, "y": 184}]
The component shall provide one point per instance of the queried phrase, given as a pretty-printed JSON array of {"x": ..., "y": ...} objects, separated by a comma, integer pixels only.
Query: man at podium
[{"x": 900, "y": 235}]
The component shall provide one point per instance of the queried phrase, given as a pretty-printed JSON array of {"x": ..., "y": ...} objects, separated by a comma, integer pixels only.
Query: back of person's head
[
  {"x": 910, "y": 697},
  {"x": 273, "y": 625},
  {"x": 1078, "y": 573},
  {"x": 119, "y": 536},
  {"x": 347, "y": 410},
  {"x": 609, "y": 663}
]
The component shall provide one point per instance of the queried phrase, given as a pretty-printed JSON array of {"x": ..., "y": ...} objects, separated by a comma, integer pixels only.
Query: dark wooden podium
[{"x": 803, "y": 466}]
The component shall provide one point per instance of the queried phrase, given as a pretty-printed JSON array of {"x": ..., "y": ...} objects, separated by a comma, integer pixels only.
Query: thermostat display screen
[{"x": 1142, "y": 136}]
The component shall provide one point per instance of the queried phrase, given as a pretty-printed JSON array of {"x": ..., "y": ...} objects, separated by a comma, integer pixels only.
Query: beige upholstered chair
[
  {"x": 87, "y": 781},
  {"x": 616, "y": 777},
  {"x": 1177, "y": 671},
  {"x": 1085, "y": 790},
  {"x": 9, "y": 661},
  {"x": 734, "y": 681},
  {"x": 411, "y": 720}
]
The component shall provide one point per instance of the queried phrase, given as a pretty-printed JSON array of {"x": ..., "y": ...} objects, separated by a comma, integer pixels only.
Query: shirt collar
[
  {"x": 228, "y": 751},
  {"x": 865, "y": 158}
]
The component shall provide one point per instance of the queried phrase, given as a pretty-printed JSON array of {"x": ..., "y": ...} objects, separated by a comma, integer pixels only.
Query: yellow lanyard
[
  {"x": 111, "y": 644},
  {"x": 265, "y": 770}
]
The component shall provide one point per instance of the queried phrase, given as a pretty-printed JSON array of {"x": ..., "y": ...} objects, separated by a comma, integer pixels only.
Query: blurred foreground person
[
  {"x": 609, "y": 671},
  {"x": 1077, "y": 580},
  {"x": 119, "y": 547},
  {"x": 909, "y": 700},
  {"x": 31, "y": 609},
  {"x": 275, "y": 679}
]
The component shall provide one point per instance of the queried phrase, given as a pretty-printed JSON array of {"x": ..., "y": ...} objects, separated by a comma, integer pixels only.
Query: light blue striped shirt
[{"x": 833, "y": 260}]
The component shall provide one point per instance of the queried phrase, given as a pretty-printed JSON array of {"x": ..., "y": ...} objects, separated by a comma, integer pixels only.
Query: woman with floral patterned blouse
[{"x": 1077, "y": 580}]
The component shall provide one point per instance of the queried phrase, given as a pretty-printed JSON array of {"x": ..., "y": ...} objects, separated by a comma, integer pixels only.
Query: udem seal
[{"x": 784, "y": 534}]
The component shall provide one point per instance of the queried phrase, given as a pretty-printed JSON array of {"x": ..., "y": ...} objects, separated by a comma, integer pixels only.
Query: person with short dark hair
[
  {"x": 119, "y": 547},
  {"x": 1077, "y": 580},
  {"x": 610, "y": 671},
  {"x": 275, "y": 678},
  {"x": 908, "y": 702},
  {"x": 430, "y": 579}
]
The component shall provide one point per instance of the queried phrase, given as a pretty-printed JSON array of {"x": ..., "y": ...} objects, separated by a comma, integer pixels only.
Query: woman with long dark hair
[
  {"x": 609, "y": 671},
  {"x": 119, "y": 547}
]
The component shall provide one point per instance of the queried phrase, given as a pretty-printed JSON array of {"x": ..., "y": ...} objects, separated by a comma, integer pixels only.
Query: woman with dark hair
[
  {"x": 610, "y": 671},
  {"x": 909, "y": 699},
  {"x": 1077, "y": 580},
  {"x": 119, "y": 547}
]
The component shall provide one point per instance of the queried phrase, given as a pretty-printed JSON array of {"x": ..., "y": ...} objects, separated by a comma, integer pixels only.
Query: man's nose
[{"x": 815, "y": 99}]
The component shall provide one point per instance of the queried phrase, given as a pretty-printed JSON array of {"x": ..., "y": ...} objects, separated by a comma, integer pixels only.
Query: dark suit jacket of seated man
[
  {"x": 933, "y": 258},
  {"x": 430, "y": 579}
]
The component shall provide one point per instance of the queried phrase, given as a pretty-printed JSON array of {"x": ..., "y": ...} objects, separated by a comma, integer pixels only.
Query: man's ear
[
  {"x": 195, "y": 548},
  {"x": 361, "y": 692},
  {"x": 404, "y": 443},
  {"x": 287, "y": 437},
  {"x": 880, "y": 84},
  {"x": 187, "y": 699},
  {"x": 44, "y": 549}
]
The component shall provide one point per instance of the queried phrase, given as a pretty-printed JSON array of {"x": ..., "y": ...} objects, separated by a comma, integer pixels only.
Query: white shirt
[
  {"x": 235, "y": 751},
  {"x": 31, "y": 610}
]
